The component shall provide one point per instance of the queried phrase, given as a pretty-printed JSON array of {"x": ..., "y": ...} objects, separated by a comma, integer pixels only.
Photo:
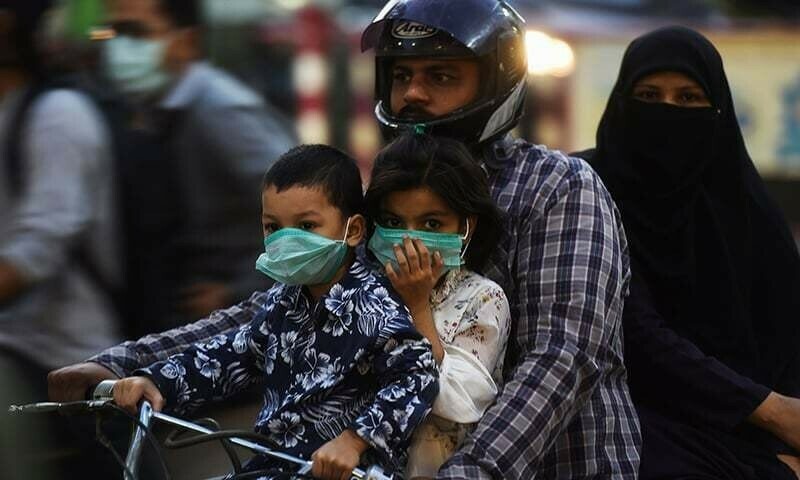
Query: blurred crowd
[{"x": 120, "y": 160}]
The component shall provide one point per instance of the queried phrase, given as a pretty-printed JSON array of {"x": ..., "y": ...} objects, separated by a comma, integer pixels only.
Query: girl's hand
[
  {"x": 336, "y": 459},
  {"x": 417, "y": 274},
  {"x": 128, "y": 392}
]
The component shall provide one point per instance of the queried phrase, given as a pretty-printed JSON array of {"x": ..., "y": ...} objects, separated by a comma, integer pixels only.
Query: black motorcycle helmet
[{"x": 488, "y": 30}]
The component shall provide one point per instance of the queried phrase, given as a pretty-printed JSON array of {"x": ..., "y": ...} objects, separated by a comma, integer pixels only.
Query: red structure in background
[{"x": 314, "y": 38}]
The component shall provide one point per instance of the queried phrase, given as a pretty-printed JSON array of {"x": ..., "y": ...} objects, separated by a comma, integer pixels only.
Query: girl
[{"x": 434, "y": 224}]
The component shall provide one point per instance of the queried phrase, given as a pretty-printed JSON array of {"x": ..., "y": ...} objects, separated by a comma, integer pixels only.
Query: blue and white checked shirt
[{"x": 565, "y": 411}]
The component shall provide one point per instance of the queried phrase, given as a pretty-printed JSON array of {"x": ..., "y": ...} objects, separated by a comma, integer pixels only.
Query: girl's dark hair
[
  {"x": 320, "y": 166},
  {"x": 447, "y": 168}
]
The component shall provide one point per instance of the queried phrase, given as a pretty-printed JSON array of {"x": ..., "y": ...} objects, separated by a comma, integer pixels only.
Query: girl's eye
[
  {"x": 433, "y": 224},
  {"x": 307, "y": 226},
  {"x": 392, "y": 223},
  {"x": 270, "y": 228}
]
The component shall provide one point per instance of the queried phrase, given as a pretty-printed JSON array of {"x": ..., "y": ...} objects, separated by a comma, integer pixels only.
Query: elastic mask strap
[
  {"x": 468, "y": 239},
  {"x": 346, "y": 229}
]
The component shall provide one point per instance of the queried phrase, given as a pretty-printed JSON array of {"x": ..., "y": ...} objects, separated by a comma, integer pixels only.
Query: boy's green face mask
[
  {"x": 298, "y": 257},
  {"x": 448, "y": 245}
]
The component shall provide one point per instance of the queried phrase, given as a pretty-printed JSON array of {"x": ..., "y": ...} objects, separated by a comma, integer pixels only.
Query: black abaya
[{"x": 711, "y": 325}]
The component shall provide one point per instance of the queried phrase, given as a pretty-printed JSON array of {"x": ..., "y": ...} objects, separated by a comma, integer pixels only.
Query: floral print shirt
[
  {"x": 472, "y": 318},
  {"x": 352, "y": 360}
]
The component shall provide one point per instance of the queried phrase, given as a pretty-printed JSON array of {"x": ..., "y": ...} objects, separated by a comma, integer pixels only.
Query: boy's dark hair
[
  {"x": 328, "y": 168},
  {"x": 448, "y": 169},
  {"x": 183, "y": 13}
]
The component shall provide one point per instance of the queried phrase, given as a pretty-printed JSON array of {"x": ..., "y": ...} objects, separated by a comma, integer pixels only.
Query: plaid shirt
[{"x": 565, "y": 411}]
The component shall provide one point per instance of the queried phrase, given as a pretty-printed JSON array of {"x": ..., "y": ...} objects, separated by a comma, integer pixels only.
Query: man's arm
[
  {"x": 71, "y": 382},
  {"x": 571, "y": 275}
]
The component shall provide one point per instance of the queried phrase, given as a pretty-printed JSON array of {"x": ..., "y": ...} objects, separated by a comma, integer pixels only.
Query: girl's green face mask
[
  {"x": 449, "y": 245},
  {"x": 298, "y": 257}
]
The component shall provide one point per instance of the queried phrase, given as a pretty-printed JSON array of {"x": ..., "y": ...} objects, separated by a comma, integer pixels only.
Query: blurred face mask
[
  {"x": 134, "y": 65},
  {"x": 449, "y": 245},
  {"x": 298, "y": 257}
]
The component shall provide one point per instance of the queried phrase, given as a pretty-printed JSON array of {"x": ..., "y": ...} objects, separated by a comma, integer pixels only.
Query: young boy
[{"x": 345, "y": 373}]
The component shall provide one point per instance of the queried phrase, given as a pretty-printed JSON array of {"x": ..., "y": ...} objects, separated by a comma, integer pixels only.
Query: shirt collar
[
  {"x": 352, "y": 279},
  {"x": 450, "y": 283},
  {"x": 499, "y": 153}
]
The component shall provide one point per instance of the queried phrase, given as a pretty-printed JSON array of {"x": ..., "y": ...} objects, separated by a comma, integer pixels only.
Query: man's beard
[{"x": 415, "y": 113}]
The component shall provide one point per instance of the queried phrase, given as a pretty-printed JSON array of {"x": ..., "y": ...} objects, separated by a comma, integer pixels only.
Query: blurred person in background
[
  {"x": 196, "y": 144},
  {"x": 58, "y": 233},
  {"x": 711, "y": 324},
  {"x": 457, "y": 68}
]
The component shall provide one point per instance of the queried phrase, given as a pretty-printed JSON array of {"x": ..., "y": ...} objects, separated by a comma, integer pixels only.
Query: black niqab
[{"x": 704, "y": 235}]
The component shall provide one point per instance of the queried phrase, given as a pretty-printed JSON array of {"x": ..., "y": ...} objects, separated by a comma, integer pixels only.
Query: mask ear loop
[
  {"x": 346, "y": 229},
  {"x": 468, "y": 239}
]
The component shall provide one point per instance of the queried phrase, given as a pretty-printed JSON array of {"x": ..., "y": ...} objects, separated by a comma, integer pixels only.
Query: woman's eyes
[
  {"x": 649, "y": 95},
  {"x": 683, "y": 98},
  {"x": 692, "y": 98}
]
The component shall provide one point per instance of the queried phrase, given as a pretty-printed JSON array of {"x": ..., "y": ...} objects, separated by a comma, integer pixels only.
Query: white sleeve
[{"x": 466, "y": 385}]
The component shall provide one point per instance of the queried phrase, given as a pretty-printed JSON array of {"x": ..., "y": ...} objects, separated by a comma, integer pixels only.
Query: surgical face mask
[
  {"x": 134, "y": 65},
  {"x": 299, "y": 257},
  {"x": 449, "y": 245}
]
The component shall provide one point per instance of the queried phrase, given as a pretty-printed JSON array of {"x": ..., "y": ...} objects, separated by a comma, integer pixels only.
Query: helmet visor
[{"x": 473, "y": 23}]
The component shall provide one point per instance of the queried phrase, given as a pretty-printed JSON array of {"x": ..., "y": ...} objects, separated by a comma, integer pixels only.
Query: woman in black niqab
[{"x": 711, "y": 325}]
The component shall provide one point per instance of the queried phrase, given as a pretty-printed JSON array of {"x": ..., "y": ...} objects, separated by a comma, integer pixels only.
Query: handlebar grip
[{"x": 103, "y": 390}]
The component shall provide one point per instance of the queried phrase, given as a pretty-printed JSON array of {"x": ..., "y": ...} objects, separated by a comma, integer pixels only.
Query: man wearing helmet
[{"x": 457, "y": 68}]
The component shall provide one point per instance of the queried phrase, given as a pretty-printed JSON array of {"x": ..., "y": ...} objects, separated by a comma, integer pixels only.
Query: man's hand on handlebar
[
  {"x": 70, "y": 384},
  {"x": 129, "y": 391}
]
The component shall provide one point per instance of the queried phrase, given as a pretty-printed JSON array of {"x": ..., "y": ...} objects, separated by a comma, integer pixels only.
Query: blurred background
[{"x": 304, "y": 57}]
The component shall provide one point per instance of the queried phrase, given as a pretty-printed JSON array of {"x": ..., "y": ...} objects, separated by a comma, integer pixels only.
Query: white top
[{"x": 471, "y": 314}]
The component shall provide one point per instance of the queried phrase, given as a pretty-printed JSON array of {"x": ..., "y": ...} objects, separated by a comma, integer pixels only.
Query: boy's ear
[
  {"x": 357, "y": 230},
  {"x": 473, "y": 225}
]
